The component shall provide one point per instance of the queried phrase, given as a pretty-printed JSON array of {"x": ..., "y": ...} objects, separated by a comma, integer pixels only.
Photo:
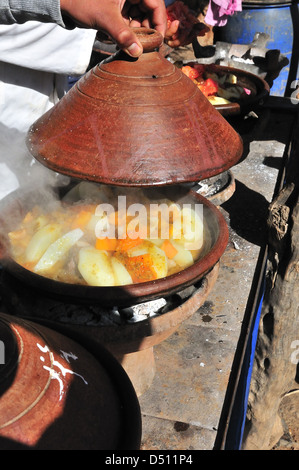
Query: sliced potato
[
  {"x": 41, "y": 222},
  {"x": 138, "y": 250},
  {"x": 192, "y": 225},
  {"x": 95, "y": 267},
  {"x": 155, "y": 241},
  {"x": 232, "y": 78},
  {"x": 40, "y": 241},
  {"x": 218, "y": 100},
  {"x": 121, "y": 274},
  {"x": 189, "y": 230},
  {"x": 158, "y": 257},
  {"x": 174, "y": 210},
  {"x": 57, "y": 250},
  {"x": 91, "y": 225},
  {"x": 159, "y": 260},
  {"x": 99, "y": 226},
  {"x": 184, "y": 257}
]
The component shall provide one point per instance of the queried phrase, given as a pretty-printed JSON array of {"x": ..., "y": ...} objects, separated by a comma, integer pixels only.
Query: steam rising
[
  {"x": 19, "y": 170},
  {"x": 20, "y": 175},
  {"x": 40, "y": 186}
]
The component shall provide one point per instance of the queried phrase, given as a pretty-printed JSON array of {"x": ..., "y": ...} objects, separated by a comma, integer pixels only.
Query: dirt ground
[{"x": 289, "y": 411}]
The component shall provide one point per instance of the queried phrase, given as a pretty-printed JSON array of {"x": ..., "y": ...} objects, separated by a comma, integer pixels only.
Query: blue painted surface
[
  {"x": 273, "y": 19},
  {"x": 236, "y": 425}
]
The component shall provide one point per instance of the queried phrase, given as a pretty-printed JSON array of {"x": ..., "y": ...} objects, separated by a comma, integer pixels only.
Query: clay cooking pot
[{"x": 135, "y": 122}]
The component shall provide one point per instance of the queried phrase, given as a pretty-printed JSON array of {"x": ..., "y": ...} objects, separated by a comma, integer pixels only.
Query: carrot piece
[
  {"x": 107, "y": 244},
  {"x": 169, "y": 249},
  {"x": 141, "y": 268},
  {"x": 128, "y": 243},
  {"x": 81, "y": 219}
]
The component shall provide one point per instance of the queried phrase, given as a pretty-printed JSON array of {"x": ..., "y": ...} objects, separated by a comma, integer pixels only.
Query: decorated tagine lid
[{"x": 56, "y": 395}]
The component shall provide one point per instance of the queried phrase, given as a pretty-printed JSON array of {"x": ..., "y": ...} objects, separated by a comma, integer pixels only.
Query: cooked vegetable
[
  {"x": 82, "y": 218},
  {"x": 66, "y": 243},
  {"x": 219, "y": 87},
  {"x": 41, "y": 241},
  {"x": 188, "y": 230},
  {"x": 128, "y": 243},
  {"x": 159, "y": 261},
  {"x": 183, "y": 258},
  {"x": 218, "y": 101},
  {"x": 107, "y": 244},
  {"x": 140, "y": 267},
  {"x": 169, "y": 249},
  {"x": 57, "y": 250},
  {"x": 121, "y": 274},
  {"x": 209, "y": 87},
  {"x": 95, "y": 267}
]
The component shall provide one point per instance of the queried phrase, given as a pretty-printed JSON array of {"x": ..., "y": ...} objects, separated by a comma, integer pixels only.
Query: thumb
[{"x": 125, "y": 38}]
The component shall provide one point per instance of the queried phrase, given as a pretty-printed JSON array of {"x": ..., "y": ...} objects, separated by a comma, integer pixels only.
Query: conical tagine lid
[{"x": 135, "y": 122}]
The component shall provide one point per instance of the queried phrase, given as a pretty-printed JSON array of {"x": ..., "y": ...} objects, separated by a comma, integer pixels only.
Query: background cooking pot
[{"x": 259, "y": 89}]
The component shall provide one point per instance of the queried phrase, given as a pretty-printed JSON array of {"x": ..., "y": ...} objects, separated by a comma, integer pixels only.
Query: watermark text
[
  {"x": 2, "y": 353},
  {"x": 153, "y": 221}
]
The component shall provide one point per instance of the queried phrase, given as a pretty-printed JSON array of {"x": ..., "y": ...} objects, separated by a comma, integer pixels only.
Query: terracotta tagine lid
[
  {"x": 56, "y": 395},
  {"x": 135, "y": 122}
]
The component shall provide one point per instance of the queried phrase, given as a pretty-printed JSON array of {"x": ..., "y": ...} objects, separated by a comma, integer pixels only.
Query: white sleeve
[
  {"x": 46, "y": 47},
  {"x": 20, "y": 11}
]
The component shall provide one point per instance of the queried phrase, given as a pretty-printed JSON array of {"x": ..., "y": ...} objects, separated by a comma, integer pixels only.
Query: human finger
[{"x": 156, "y": 11}]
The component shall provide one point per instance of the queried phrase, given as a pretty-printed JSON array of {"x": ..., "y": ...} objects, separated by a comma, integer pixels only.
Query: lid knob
[{"x": 150, "y": 38}]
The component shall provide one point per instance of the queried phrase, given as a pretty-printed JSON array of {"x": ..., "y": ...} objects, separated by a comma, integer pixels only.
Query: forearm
[{"x": 21, "y": 11}]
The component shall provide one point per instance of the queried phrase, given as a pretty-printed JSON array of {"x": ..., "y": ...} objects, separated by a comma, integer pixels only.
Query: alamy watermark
[
  {"x": 295, "y": 86},
  {"x": 295, "y": 353},
  {"x": 153, "y": 221},
  {"x": 2, "y": 353}
]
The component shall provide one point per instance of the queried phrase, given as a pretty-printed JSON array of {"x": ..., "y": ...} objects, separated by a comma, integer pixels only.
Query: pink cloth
[{"x": 220, "y": 10}]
